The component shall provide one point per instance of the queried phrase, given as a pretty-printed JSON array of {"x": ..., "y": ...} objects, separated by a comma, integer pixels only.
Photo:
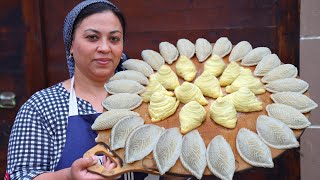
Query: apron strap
[{"x": 73, "y": 106}]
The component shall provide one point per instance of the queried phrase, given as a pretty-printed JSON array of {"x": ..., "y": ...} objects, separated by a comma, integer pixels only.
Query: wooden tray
[{"x": 208, "y": 130}]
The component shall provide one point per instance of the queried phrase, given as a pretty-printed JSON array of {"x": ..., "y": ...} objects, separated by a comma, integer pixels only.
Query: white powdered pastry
[
  {"x": 169, "y": 52},
  {"x": 203, "y": 49},
  {"x": 124, "y": 86},
  {"x": 255, "y": 56},
  {"x": 131, "y": 75},
  {"x": 138, "y": 65},
  {"x": 141, "y": 141},
  {"x": 168, "y": 149},
  {"x": 122, "y": 101},
  {"x": 153, "y": 58},
  {"x": 289, "y": 115},
  {"x": 122, "y": 129},
  {"x": 280, "y": 72},
  {"x": 287, "y": 85},
  {"x": 222, "y": 47},
  {"x": 186, "y": 47},
  {"x": 220, "y": 158},
  {"x": 193, "y": 153},
  {"x": 275, "y": 133},
  {"x": 252, "y": 150},
  {"x": 239, "y": 51},
  {"x": 108, "y": 119},
  {"x": 297, "y": 100},
  {"x": 267, "y": 63}
]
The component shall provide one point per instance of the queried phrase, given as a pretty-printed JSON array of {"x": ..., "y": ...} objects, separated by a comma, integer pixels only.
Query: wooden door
[{"x": 32, "y": 53}]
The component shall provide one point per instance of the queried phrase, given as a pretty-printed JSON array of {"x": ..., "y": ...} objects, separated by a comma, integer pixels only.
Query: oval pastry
[
  {"x": 222, "y": 47},
  {"x": 209, "y": 85},
  {"x": 122, "y": 101},
  {"x": 124, "y": 86},
  {"x": 193, "y": 154},
  {"x": 168, "y": 149},
  {"x": 130, "y": 75},
  {"x": 168, "y": 51},
  {"x": 252, "y": 149},
  {"x": 267, "y": 63},
  {"x": 239, "y": 51},
  {"x": 275, "y": 133},
  {"x": 189, "y": 92},
  {"x": 191, "y": 116},
  {"x": 220, "y": 158},
  {"x": 287, "y": 85},
  {"x": 138, "y": 65},
  {"x": 185, "y": 68},
  {"x": 280, "y": 72},
  {"x": 215, "y": 65},
  {"x": 186, "y": 47},
  {"x": 255, "y": 56},
  {"x": 203, "y": 49},
  {"x": 153, "y": 58},
  {"x": 224, "y": 113}
]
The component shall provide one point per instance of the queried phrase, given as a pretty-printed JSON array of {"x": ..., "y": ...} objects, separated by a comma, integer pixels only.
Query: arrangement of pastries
[{"x": 198, "y": 83}]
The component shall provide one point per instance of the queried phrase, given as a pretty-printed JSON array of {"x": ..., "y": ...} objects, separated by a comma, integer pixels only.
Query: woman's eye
[
  {"x": 115, "y": 39},
  {"x": 92, "y": 37}
]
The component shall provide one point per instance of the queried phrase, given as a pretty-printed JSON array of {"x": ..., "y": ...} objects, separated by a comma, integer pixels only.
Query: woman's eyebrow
[{"x": 95, "y": 31}]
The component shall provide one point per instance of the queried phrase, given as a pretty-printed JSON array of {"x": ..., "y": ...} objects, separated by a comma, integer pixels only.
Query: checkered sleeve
[{"x": 30, "y": 145}]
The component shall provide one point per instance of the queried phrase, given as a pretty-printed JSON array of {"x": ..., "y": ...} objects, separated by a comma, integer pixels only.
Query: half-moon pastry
[
  {"x": 189, "y": 92},
  {"x": 131, "y": 75},
  {"x": 252, "y": 149},
  {"x": 193, "y": 154},
  {"x": 186, "y": 47},
  {"x": 153, "y": 58},
  {"x": 246, "y": 79},
  {"x": 287, "y": 85},
  {"x": 245, "y": 101},
  {"x": 222, "y": 47},
  {"x": 141, "y": 141},
  {"x": 168, "y": 149},
  {"x": 289, "y": 115},
  {"x": 239, "y": 51},
  {"x": 203, "y": 49},
  {"x": 153, "y": 87},
  {"x": 267, "y": 63},
  {"x": 275, "y": 133},
  {"x": 224, "y": 113},
  {"x": 185, "y": 68},
  {"x": 121, "y": 130},
  {"x": 215, "y": 65},
  {"x": 108, "y": 119},
  {"x": 138, "y": 65},
  {"x": 191, "y": 116},
  {"x": 209, "y": 85},
  {"x": 255, "y": 56},
  {"x": 280, "y": 72},
  {"x": 166, "y": 77},
  {"x": 168, "y": 51},
  {"x": 161, "y": 106},
  {"x": 220, "y": 158},
  {"x": 231, "y": 72},
  {"x": 122, "y": 101},
  {"x": 124, "y": 86},
  {"x": 297, "y": 100}
]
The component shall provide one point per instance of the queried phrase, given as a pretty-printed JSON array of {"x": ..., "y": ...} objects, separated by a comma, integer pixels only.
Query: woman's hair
[{"x": 98, "y": 8}]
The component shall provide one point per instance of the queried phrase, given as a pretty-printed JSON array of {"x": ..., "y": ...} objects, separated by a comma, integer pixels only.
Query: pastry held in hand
[
  {"x": 244, "y": 100},
  {"x": 287, "y": 85},
  {"x": 191, "y": 116},
  {"x": 255, "y": 56},
  {"x": 289, "y": 115},
  {"x": 252, "y": 149},
  {"x": 168, "y": 149},
  {"x": 122, "y": 101},
  {"x": 193, "y": 154},
  {"x": 138, "y": 65},
  {"x": 220, "y": 158},
  {"x": 185, "y": 68},
  {"x": 231, "y": 72},
  {"x": 124, "y": 86},
  {"x": 215, "y": 65},
  {"x": 223, "y": 113},
  {"x": 166, "y": 77},
  {"x": 222, "y": 47},
  {"x": 153, "y": 87},
  {"x": 189, "y": 92},
  {"x": 209, "y": 85},
  {"x": 246, "y": 79},
  {"x": 162, "y": 106},
  {"x": 203, "y": 49},
  {"x": 186, "y": 48},
  {"x": 109, "y": 118},
  {"x": 141, "y": 141},
  {"x": 153, "y": 58},
  {"x": 168, "y": 51},
  {"x": 239, "y": 51},
  {"x": 267, "y": 63},
  {"x": 275, "y": 133},
  {"x": 131, "y": 75},
  {"x": 280, "y": 72}
]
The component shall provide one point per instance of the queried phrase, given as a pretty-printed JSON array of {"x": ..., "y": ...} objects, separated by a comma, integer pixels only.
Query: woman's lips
[{"x": 103, "y": 61}]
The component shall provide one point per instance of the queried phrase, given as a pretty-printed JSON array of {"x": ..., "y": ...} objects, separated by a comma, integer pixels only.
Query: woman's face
[{"x": 97, "y": 46}]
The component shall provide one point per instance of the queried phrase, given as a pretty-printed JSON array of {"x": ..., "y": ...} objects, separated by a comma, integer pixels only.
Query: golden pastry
[
  {"x": 214, "y": 65},
  {"x": 153, "y": 87},
  {"x": 231, "y": 72},
  {"x": 189, "y": 92},
  {"x": 185, "y": 68},
  {"x": 224, "y": 113},
  {"x": 166, "y": 77},
  {"x": 209, "y": 85},
  {"x": 191, "y": 116},
  {"x": 245, "y": 101}
]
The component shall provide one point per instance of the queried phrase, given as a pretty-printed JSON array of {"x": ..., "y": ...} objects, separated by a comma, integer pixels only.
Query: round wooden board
[{"x": 208, "y": 130}]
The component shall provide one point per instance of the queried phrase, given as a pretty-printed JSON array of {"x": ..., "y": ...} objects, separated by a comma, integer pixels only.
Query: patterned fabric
[
  {"x": 39, "y": 132},
  {"x": 68, "y": 28}
]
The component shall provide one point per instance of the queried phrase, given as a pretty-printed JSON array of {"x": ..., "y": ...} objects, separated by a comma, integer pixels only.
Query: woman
[{"x": 52, "y": 129}]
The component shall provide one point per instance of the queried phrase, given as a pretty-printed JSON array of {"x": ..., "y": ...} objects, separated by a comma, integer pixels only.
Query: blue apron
[{"x": 80, "y": 137}]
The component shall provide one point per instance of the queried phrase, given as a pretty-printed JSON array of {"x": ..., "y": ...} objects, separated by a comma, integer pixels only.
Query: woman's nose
[{"x": 104, "y": 47}]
